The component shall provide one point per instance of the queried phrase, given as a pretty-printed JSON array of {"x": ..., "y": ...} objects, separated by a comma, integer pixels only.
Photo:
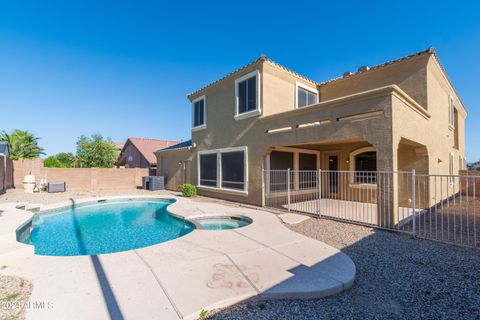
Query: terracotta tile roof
[
  {"x": 147, "y": 147},
  {"x": 261, "y": 58},
  {"x": 430, "y": 50},
  {"x": 226, "y": 76}
]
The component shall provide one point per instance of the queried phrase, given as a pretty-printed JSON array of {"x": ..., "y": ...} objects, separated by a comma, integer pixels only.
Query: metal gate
[{"x": 437, "y": 207}]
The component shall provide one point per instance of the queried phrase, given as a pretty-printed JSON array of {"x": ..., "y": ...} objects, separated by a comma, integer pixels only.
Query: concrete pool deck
[{"x": 177, "y": 279}]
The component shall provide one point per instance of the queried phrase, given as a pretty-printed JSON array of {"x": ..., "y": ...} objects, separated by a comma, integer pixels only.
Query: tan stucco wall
[
  {"x": 408, "y": 94},
  {"x": 410, "y": 75},
  {"x": 433, "y": 132},
  {"x": 224, "y": 131},
  {"x": 174, "y": 165},
  {"x": 279, "y": 89}
]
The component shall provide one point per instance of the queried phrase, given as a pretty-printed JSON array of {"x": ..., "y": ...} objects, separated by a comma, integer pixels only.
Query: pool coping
[{"x": 263, "y": 234}]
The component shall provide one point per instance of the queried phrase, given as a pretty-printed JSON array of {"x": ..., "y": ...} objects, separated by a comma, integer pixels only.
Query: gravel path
[
  {"x": 14, "y": 293},
  {"x": 397, "y": 278}
]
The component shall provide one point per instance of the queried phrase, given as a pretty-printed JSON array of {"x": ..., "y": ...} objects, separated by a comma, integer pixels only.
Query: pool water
[
  {"x": 105, "y": 228},
  {"x": 222, "y": 223}
]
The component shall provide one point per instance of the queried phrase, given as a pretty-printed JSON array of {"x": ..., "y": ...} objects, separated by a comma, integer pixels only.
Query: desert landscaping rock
[
  {"x": 14, "y": 294},
  {"x": 398, "y": 277}
]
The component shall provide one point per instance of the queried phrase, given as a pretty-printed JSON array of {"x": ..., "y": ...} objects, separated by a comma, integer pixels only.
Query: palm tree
[{"x": 22, "y": 144}]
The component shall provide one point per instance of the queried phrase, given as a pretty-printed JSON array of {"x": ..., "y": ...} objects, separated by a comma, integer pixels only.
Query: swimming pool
[{"x": 103, "y": 227}]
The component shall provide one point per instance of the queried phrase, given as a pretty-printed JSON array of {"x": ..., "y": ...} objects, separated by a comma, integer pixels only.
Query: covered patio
[{"x": 346, "y": 179}]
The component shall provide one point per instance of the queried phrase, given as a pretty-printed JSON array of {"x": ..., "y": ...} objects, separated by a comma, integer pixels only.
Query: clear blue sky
[{"x": 123, "y": 68}]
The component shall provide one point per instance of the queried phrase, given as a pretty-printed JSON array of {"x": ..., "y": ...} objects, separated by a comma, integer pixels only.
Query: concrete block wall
[{"x": 80, "y": 178}]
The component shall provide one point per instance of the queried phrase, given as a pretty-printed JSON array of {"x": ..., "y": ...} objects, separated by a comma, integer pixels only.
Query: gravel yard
[
  {"x": 14, "y": 293},
  {"x": 397, "y": 278}
]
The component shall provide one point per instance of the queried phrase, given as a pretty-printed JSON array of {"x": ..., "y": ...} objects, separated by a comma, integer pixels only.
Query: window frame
[
  {"x": 251, "y": 113},
  {"x": 199, "y": 169},
  {"x": 451, "y": 164},
  {"x": 353, "y": 154},
  {"x": 299, "y": 85},
  {"x": 451, "y": 112},
  {"x": 204, "y": 125},
  {"x": 219, "y": 152}
]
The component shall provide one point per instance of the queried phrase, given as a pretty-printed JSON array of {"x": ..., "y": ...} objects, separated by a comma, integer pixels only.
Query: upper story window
[
  {"x": 306, "y": 96},
  {"x": 199, "y": 113},
  {"x": 247, "y": 93},
  {"x": 451, "y": 115}
]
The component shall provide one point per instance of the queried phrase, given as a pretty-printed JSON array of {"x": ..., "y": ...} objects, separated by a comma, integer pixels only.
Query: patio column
[{"x": 387, "y": 186}]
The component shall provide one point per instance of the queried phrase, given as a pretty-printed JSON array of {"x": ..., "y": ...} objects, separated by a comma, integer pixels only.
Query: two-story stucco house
[{"x": 401, "y": 115}]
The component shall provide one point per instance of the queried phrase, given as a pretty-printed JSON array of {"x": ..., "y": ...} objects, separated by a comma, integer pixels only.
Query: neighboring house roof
[
  {"x": 181, "y": 145},
  {"x": 119, "y": 145},
  {"x": 3, "y": 148},
  {"x": 147, "y": 147}
]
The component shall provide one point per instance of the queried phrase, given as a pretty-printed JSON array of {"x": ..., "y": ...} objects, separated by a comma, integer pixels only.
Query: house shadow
[{"x": 107, "y": 292}]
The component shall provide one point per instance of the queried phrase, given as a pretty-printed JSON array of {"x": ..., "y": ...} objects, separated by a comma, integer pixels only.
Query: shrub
[
  {"x": 188, "y": 190},
  {"x": 204, "y": 313},
  {"x": 52, "y": 162}
]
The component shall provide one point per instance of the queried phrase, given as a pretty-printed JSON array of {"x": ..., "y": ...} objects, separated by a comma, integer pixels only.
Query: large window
[
  {"x": 280, "y": 160},
  {"x": 247, "y": 94},
  {"x": 208, "y": 170},
  {"x": 307, "y": 161},
  {"x": 224, "y": 168},
  {"x": 363, "y": 162},
  {"x": 307, "y": 164},
  {"x": 233, "y": 170},
  {"x": 199, "y": 112},
  {"x": 306, "y": 96}
]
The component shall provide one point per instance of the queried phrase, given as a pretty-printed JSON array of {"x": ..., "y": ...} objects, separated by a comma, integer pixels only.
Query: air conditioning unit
[{"x": 153, "y": 183}]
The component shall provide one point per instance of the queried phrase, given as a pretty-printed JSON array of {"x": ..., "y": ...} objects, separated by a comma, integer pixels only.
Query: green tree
[
  {"x": 53, "y": 162},
  {"x": 22, "y": 144},
  {"x": 96, "y": 152},
  {"x": 67, "y": 159}
]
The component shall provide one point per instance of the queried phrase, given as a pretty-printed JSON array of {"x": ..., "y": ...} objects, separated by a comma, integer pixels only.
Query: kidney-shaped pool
[{"x": 104, "y": 226}]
